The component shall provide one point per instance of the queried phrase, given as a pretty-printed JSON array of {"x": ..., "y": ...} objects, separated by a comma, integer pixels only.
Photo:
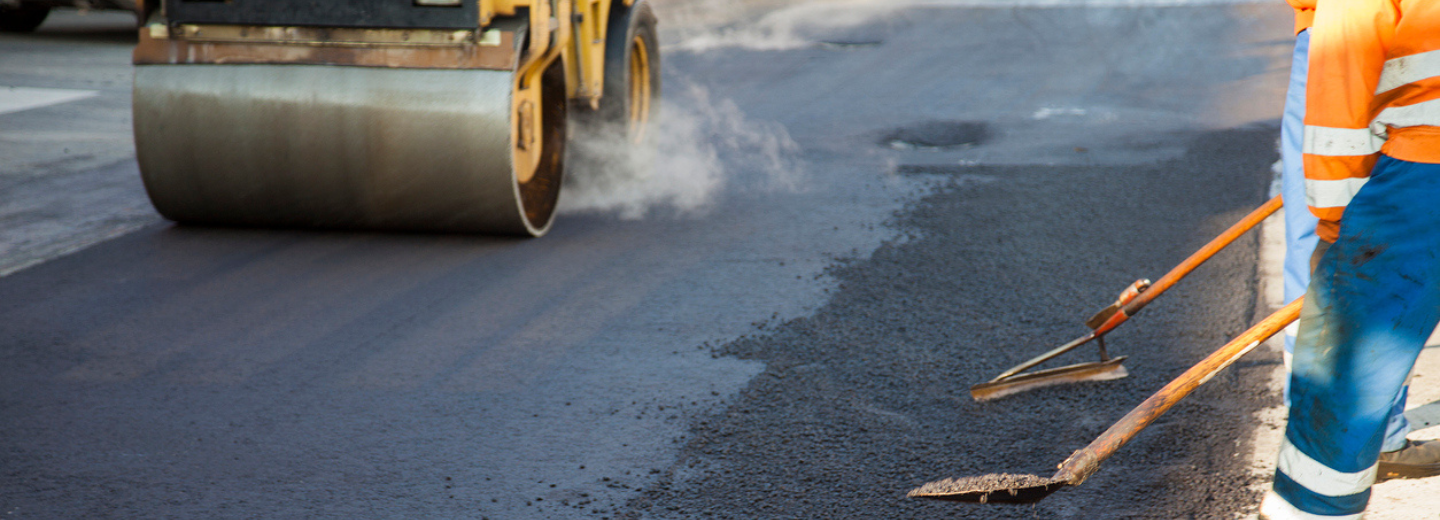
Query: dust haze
[
  {"x": 698, "y": 26},
  {"x": 700, "y": 145}
]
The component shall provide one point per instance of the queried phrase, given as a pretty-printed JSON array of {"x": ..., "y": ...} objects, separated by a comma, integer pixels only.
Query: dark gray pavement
[
  {"x": 789, "y": 350},
  {"x": 67, "y": 170},
  {"x": 869, "y": 397}
]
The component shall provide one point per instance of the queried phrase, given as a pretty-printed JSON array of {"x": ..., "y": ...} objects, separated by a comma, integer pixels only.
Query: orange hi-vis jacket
[
  {"x": 1373, "y": 87},
  {"x": 1304, "y": 13}
]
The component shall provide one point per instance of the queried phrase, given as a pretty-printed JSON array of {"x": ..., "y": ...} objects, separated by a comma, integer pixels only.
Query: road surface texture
[
  {"x": 893, "y": 202},
  {"x": 67, "y": 169}
]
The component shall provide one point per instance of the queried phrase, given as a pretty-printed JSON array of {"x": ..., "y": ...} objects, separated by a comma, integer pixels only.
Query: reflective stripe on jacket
[{"x": 1374, "y": 86}]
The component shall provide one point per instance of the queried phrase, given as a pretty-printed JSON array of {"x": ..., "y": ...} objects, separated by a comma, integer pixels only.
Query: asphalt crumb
[{"x": 867, "y": 398}]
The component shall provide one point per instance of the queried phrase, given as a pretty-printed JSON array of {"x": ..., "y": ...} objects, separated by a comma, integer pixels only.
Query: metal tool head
[
  {"x": 1096, "y": 371},
  {"x": 995, "y": 488}
]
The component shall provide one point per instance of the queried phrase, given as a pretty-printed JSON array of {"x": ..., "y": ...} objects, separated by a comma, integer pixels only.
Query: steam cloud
[{"x": 699, "y": 144}]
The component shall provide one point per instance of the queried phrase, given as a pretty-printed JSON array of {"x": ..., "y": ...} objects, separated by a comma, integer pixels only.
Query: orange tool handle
[{"x": 1171, "y": 278}]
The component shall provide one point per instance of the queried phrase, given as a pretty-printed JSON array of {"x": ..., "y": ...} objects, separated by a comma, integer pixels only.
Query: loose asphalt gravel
[
  {"x": 210, "y": 373},
  {"x": 868, "y": 398}
]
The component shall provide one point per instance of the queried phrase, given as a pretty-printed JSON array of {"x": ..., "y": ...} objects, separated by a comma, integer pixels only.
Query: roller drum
[{"x": 335, "y": 147}]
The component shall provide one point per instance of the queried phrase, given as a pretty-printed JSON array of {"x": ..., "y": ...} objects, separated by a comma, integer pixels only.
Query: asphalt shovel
[
  {"x": 1025, "y": 489},
  {"x": 1131, "y": 300}
]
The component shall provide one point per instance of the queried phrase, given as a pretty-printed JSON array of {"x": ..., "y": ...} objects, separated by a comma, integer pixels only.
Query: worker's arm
[{"x": 1347, "y": 53}]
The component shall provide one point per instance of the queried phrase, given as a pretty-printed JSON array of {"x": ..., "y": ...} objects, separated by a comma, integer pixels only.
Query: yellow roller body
[{"x": 336, "y": 147}]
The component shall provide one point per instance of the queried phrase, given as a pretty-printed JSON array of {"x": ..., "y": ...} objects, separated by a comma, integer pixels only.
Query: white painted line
[
  {"x": 15, "y": 99},
  {"x": 1048, "y": 112}
]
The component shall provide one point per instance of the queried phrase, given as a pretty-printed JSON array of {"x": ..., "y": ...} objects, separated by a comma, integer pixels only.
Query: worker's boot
[{"x": 1418, "y": 459}]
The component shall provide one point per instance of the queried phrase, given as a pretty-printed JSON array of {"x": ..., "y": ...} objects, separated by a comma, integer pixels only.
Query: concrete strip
[
  {"x": 15, "y": 99},
  {"x": 1407, "y": 499},
  {"x": 1271, "y": 421}
]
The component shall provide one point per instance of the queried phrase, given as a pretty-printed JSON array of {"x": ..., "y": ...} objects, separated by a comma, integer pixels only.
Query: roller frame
[{"x": 519, "y": 39}]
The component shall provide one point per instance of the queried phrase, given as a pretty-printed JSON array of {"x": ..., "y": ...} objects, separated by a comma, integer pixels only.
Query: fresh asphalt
[{"x": 789, "y": 351}]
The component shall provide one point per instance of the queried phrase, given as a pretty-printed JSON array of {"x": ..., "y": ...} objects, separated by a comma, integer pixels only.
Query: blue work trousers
[
  {"x": 1300, "y": 224},
  {"x": 1373, "y": 301}
]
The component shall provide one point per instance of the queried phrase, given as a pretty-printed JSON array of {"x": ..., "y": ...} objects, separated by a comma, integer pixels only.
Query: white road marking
[
  {"x": 15, "y": 99},
  {"x": 1048, "y": 112}
]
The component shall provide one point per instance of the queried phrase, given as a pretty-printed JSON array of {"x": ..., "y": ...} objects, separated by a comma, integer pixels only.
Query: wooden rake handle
[{"x": 1086, "y": 461}]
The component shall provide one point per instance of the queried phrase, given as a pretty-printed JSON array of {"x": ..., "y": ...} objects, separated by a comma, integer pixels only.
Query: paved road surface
[{"x": 794, "y": 341}]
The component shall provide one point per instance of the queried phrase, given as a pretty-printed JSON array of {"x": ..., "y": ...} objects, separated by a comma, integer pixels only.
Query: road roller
[{"x": 444, "y": 116}]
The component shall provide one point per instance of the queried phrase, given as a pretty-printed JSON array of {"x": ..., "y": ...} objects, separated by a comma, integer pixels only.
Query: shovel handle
[
  {"x": 1086, "y": 461},
  {"x": 1199, "y": 257}
]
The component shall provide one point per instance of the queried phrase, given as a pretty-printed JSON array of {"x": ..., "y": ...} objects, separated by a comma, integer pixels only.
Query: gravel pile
[{"x": 868, "y": 398}]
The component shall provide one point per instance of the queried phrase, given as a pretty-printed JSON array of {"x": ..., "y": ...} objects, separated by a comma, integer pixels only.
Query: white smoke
[
  {"x": 699, "y": 144},
  {"x": 705, "y": 26},
  {"x": 702, "y": 145}
]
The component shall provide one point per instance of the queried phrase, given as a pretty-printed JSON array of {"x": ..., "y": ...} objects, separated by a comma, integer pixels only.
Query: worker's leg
[
  {"x": 1300, "y": 224},
  {"x": 1373, "y": 301}
]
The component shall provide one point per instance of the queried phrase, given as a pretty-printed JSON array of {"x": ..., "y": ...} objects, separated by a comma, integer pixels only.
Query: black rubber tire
[
  {"x": 629, "y": 22},
  {"x": 23, "y": 19},
  {"x": 625, "y": 24}
]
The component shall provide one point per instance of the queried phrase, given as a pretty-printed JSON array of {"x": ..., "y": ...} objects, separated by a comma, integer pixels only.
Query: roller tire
[
  {"x": 625, "y": 25},
  {"x": 23, "y": 19}
]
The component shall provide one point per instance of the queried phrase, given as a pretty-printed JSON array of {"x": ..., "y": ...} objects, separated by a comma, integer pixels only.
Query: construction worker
[
  {"x": 1300, "y": 223},
  {"x": 1372, "y": 175}
]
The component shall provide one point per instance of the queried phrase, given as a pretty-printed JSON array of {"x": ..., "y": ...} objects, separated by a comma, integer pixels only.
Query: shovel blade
[
  {"x": 990, "y": 489},
  {"x": 1096, "y": 371}
]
